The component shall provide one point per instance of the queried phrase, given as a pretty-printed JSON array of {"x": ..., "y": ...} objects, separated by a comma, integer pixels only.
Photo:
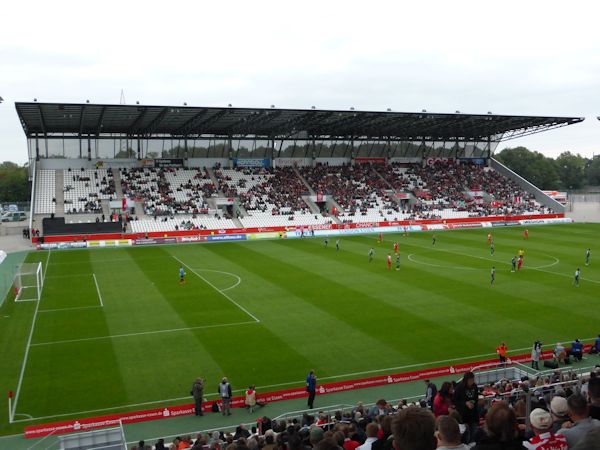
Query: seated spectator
[
  {"x": 596, "y": 347},
  {"x": 381, "y": 408},
  {"x": 414, "y": 429},
  {"x": 577, "y": 349},
  {"x": 582, "y": 423},
  {"x": 448, "y": 434},
  {"x": 559, "y": 354},
  {"x": 501, "y": 429},
  {"x": 371, "y": 431},
  {"x": 544, "y": 439}
]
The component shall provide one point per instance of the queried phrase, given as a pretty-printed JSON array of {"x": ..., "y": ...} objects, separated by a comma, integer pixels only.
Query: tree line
[
  {"x": 14, "y": 183},
  {"x": 566, "y": 172}
]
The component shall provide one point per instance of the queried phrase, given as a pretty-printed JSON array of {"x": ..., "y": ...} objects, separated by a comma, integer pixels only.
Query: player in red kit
[
  {"x": 520, "y": 262},
  {"x": 526, "y": 233},
  {"x": 489, "y": 238},
  {"x": 389, "y": 261},
  {"x": 395, "y": 247},
  {"x": 380, "y": 238}
]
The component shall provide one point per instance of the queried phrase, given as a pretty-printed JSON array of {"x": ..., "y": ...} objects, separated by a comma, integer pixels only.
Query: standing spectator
[
  {"x": 544, "y": 439},
  {"x": 501, "y": 429},
  {"x": 559, "y": 409},
  {"x": 414, "y": 429},
  {"x": 536, "y": 352},
  {"x": 250, "y": 400},
  {"x": 501, "y": 350},
  {"x": 371, "y": 430},
  {"x": 448, "y": 434},
  {"x": 311, "y": 387},
  {"x": 224, "y": 391},
  {"x": 198, "y": 394},
  {"x": 465, "y": 401},
  {"x": 443, "y": 400},
  {"x": 580, "y": 416},
  {"x": 430, "y": 392},
  {"x": 594, "y": 396}
]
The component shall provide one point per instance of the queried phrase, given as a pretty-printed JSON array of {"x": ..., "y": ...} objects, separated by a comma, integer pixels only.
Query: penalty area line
[
  {"x": 143, "y": 333},
  {"x": 98, "y": 290}
]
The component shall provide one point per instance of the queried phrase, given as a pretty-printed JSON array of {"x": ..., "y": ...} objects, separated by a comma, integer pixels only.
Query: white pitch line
[
  {"x": 220, "y": 291},
  {"x": 74, "y": 308},
  {"x": 333, "y": 377},
  {"x": 143, "y": 333},
  {"x": 98, "y": 290},
  {"x": 28, "y": 346},
  {"x": 239, "y": 279}
]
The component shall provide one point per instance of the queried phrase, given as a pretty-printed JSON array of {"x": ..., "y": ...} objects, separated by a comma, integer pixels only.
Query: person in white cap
[
  {"x": 541, "y": 424},
  {"x": 559, "y": 410}
]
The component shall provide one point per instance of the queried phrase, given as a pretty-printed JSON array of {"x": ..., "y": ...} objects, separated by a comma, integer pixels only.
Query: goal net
[{"x": 28, "y": 282}]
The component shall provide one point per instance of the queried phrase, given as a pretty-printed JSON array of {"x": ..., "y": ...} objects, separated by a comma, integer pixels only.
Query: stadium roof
[{"x": 76, "y": 120}]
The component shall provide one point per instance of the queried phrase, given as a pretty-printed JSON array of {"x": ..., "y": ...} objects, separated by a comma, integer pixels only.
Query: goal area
[{"x": 28, "y": 282}]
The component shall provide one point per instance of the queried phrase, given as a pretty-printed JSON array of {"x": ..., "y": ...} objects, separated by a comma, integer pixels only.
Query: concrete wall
[{"x": 527, "y": 186}]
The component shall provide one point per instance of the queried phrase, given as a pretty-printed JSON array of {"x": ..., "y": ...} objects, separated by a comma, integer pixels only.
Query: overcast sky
[{"x": 509, "y": 57}]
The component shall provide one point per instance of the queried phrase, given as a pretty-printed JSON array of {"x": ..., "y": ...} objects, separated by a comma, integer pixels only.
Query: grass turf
[{"x": 318, "y": 308}]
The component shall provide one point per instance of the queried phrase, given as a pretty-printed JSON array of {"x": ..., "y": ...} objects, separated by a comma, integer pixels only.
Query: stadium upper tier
[{"x": 172, "y": 199}]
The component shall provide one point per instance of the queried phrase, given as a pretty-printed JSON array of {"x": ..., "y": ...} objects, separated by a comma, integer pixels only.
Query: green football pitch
[{"x": 116, "y": 331}]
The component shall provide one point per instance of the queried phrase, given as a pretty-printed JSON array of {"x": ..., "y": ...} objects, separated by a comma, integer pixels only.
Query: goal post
[{"x": 28, "y": 282}]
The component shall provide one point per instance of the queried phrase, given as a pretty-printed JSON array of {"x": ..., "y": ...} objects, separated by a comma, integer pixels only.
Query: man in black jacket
[
  {"x": 198, "y": 394},
  {"x": 465, "y": 399}
]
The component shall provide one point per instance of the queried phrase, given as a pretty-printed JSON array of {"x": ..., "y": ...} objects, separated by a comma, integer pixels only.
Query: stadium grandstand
[{"x": 139, "y": 169}]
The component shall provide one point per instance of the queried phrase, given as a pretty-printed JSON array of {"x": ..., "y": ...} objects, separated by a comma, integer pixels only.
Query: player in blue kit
[{"x": 181, "y": 275}]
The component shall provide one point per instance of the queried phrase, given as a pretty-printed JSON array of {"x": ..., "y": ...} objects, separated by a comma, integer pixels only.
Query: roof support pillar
[
  {"x": 37, "y": 148},
  {"x": 89, "y": 152}
]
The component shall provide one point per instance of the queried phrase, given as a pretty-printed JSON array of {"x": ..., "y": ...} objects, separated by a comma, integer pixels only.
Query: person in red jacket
[{"x": 442, "y": 403}]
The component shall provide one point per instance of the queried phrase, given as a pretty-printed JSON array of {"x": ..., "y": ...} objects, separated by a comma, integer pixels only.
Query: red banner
[{"x": 364, "y": 160}]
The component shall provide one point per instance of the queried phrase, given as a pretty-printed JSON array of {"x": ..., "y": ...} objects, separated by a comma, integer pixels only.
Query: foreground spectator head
[
  {"x": 578, "y": 407},
  {"x": 469, "y": 378},
  {"x": 559, "y": 407},
  {"x": 541, "y": 420},
  {"x": 501, "y": 422},
  {"x": 372, "y": 430},
  {"x": 316, "y": 435},
  {"x": 448, "y": 433},
  {"x": 327, "y": 444},
  {"x": 414, "y": 429}
]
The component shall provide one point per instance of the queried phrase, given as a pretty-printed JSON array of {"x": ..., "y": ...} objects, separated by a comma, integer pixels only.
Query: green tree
[
  {"x": 592, "y": 171},
  {"x": 533, "y": 166},
  {"x": 571, "y": 170},
  {"x": 14, "y": 183}
]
